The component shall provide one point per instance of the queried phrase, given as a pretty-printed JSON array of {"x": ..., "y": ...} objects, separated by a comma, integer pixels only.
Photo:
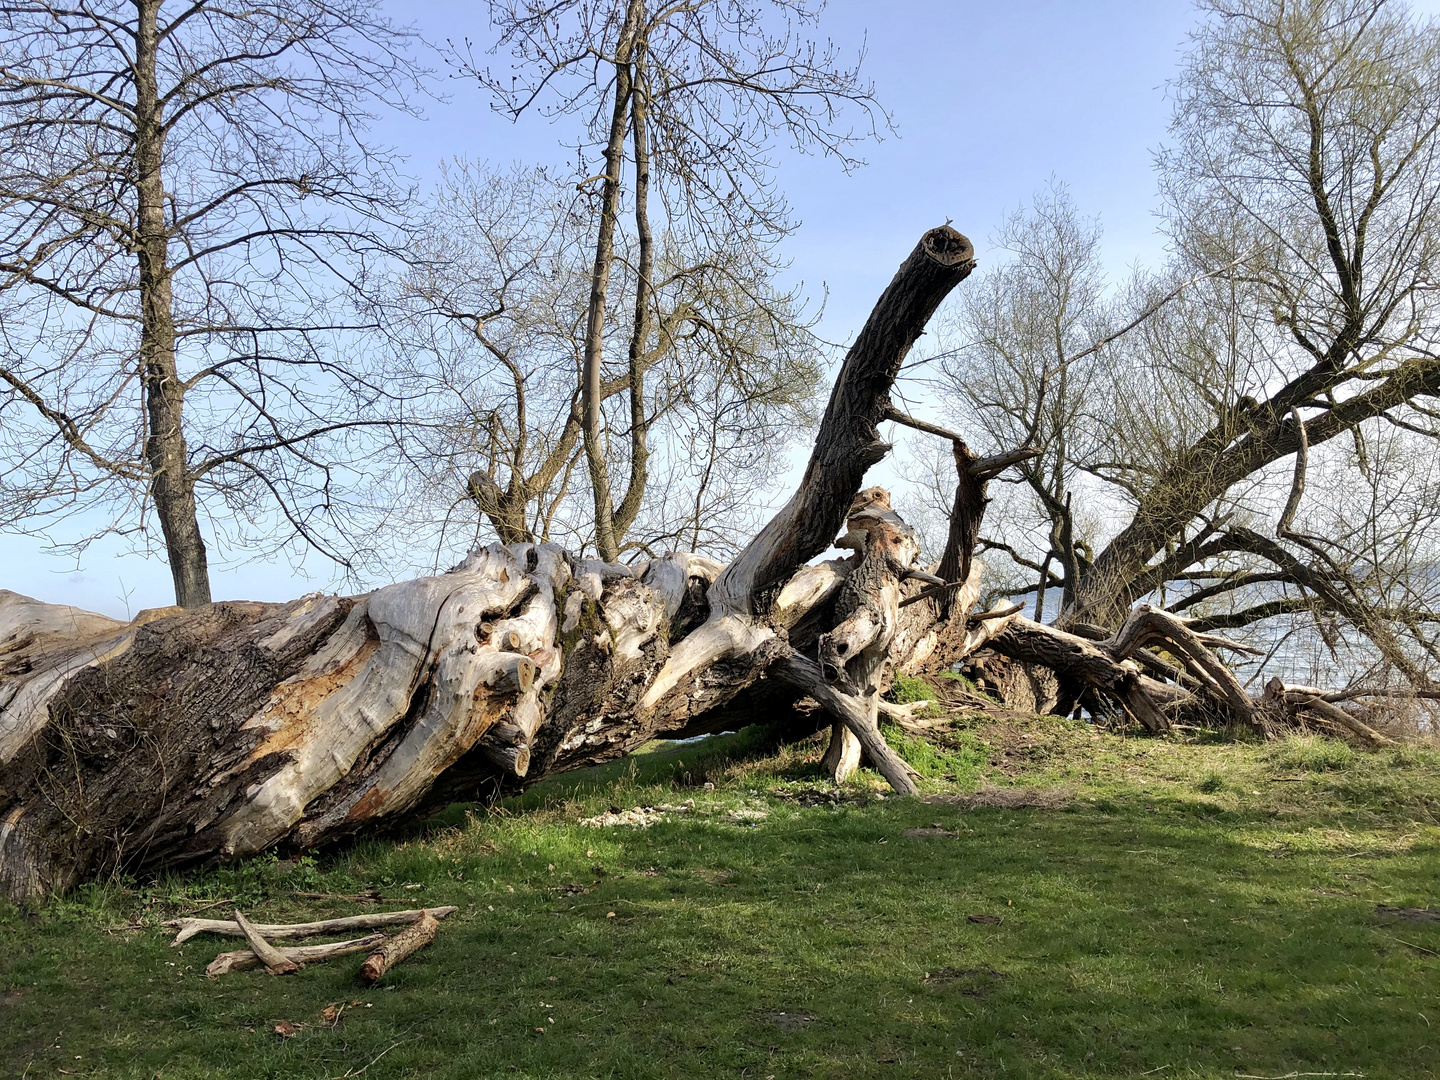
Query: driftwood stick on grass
[
  {"x": 188, "y": 928},
  {"x": 1307, "y": 698},
  {"x": 245, "y": 959},
  {"x": 391, "y": 951},
  {"x": 276, "y": 962}
]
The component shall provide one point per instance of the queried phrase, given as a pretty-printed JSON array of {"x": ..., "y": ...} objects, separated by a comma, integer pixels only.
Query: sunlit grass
[{"x": 1183, "y": 910}]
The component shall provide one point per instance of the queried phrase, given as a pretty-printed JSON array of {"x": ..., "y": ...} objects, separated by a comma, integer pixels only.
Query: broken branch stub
[
  {"x": 391, "y": 951},
  {"x": 848, "y": 442}
]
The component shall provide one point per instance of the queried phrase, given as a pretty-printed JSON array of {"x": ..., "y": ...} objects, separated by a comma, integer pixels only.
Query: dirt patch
[
  {"x": 1408, "y": 914},
  {"x": 927, "y": 834},
  {"x": 971, "y": 982},
  {"x": 820, "y": 796},
  {"x": 1004, "y": 798},
  {"x": 640, "y": 816},
  {"x": 787, "y": 1019}
]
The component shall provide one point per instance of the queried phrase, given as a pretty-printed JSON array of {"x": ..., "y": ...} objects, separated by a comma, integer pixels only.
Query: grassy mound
[{"x": 1149, "y": 907}]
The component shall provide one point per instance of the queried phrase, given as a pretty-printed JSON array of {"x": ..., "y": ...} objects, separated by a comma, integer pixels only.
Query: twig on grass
[
  {"x": 1419, "y": 948},
  {"x": 356, "y": 1072}
]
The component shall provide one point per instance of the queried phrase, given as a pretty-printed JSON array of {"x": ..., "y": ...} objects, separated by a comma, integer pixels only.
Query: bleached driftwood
[
  {"x": 245, "y": 959},
  {"x": 189, "y": 927},
  {"x": 276, "y": 962}
]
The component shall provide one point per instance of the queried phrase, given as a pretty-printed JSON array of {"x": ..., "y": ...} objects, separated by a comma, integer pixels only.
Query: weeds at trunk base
[
  {"x": 1311, "y": 753},
  {"x": 955, "y": 759}
]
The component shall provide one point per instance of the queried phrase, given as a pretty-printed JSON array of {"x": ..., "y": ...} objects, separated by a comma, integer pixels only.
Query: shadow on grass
[{"x": 1153, "y": 933}]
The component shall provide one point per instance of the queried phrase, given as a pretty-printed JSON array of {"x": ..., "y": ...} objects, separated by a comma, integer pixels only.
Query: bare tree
[
  {"x": 1012, "y": 379},
  {"x": 187, "y": 203},
  {"x": 692, "y": 96},
  {"x": 495, "y": 309},
  {"x": 1305, "y": 141},
  {"x": 1182, "y": 422}
]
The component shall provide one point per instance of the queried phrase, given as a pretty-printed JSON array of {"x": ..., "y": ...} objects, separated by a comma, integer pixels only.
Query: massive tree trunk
[{"x": 190, "y": 736}]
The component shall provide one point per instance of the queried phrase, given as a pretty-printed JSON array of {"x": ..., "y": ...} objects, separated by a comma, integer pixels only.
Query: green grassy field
[{"x": 1166, "y": 909}]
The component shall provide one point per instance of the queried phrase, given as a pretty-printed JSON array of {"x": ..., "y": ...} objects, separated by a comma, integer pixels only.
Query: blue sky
[{"x": 990, "y": 100}]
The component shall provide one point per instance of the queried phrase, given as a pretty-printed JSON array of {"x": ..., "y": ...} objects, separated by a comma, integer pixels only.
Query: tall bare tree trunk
[
  {"x": 644, "y": 299},
  {"x": 591, "y": 396},
  {"x": 165, "y": 452}
]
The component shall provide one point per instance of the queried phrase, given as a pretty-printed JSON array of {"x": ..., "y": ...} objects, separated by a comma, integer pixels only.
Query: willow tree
[
  {"x": 187, "y": 206},
  {"x": 1289, "y": 349},
  {"x": 494, "y": 312},
  {"x": 680, "y": 105}
]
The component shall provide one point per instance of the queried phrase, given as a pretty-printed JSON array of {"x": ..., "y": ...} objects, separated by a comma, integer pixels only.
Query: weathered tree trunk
[{"x": 190, "y": 736}]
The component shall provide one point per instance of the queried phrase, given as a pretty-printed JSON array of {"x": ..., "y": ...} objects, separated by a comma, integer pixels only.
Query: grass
[{"x": 1169, "y": 909}]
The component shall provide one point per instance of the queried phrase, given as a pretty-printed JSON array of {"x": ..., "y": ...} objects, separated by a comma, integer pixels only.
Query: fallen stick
[
  {"x": 1339, "y": 716},
  {"x": 245, "y": 959},
  {"x": 188, "y": 928},
  {"x": 393, "y": 950},
  {"x": 276, "y": 962}
]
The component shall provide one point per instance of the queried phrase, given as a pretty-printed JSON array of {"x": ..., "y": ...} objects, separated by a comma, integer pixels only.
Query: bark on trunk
[
  {"x": 590, "y": 385},
  {"x": 171, "y": 485}
]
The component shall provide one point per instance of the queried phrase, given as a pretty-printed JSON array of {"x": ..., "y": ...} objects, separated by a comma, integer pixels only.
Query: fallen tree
[{"x": 191, "y": 736}]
